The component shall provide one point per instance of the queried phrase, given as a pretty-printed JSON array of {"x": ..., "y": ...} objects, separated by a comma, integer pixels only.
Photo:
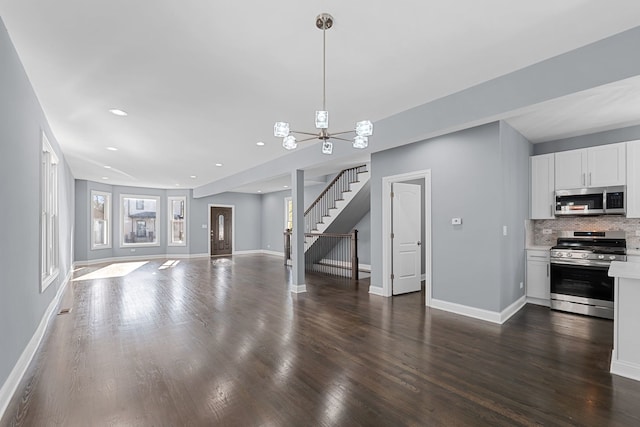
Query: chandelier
[{"x": 362, "y": 131}]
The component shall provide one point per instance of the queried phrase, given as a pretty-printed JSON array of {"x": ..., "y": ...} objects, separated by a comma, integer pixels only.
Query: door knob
[{"x": 419, "y": 242}]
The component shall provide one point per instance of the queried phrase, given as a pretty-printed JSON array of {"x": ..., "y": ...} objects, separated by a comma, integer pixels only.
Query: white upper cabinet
[
  {"x": 571, "y": 169},
  {"x": 607, "y": 165},
  {"x": 599, "y": 166},
  {"x": 633, "y": 179},
  {"x": 542, "y": 191}
]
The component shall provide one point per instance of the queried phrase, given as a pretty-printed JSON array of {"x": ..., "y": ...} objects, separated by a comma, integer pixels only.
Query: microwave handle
[
  {"x": 589, "y": 179},
  {"x": 584, "y": 180}
]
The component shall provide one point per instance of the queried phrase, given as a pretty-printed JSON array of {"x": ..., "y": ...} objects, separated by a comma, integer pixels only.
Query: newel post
[{"x": 354, "y": 254}]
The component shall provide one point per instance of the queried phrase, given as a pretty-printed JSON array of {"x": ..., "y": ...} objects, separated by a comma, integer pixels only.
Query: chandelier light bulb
[
  {"x": 289, "y": 142},
  {"x": 364, "y": 128},
  {"x": 360, "y": 142},
  {"x": 327, "y": 147},
  {"x": 281, "y": 130},
  {"x": 322, "y": 120}
]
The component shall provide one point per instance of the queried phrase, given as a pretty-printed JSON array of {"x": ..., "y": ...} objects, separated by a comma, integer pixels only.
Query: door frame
[
  {"x": 233, "y": 226},
  {"x": 387, "y": 226}
]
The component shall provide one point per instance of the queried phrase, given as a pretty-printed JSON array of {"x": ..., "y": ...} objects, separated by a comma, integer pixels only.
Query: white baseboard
[
  {"x": 376, "y": 290},
  {"x": 624, "y": 369},
  {"x": 274, "y": 253},
  {"x": 13, "y": 381},
  {"x": 479, "y": 313},
  {"x": 508, "y": 312},
  {"x": 298, "y": 289}
]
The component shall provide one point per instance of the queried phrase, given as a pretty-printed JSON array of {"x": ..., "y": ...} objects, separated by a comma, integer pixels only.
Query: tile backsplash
[{"x": 594, "y": 223}]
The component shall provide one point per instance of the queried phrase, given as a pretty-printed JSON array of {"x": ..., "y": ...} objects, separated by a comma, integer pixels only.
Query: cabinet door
[
  {"x": 606, "y": 165},
  {"x": 633, "y": 179},
  {"x": 538, "y": 280},
  {"x": 571, "y": 169},
  {"x": 542, "y": 186}
]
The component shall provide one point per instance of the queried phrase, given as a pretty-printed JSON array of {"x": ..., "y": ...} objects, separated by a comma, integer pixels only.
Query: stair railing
[
  {"x": 327, "y": 199},
  {"x": 331, "y": 253}
]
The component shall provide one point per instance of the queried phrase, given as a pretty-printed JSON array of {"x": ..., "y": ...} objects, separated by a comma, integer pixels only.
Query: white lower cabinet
[{"x": 538, "y": 277}]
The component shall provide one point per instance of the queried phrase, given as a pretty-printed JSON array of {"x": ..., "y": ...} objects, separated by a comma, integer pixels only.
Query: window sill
[{"x": 46, "y": 281}]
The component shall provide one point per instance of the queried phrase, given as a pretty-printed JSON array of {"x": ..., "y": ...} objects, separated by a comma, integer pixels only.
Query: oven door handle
[{"x": 582, "y": 263}]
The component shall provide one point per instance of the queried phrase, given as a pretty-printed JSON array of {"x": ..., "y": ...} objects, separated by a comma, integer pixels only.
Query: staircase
[
  {"x": 330, "y": 244},
  {"x": 347, "y": 193},
  {"x": 329, "y": 222}
]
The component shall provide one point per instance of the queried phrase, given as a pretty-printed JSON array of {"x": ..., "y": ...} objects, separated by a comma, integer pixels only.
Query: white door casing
[
  {"x": 407, "y": 231},
  {"x": 387, "y": 181}
]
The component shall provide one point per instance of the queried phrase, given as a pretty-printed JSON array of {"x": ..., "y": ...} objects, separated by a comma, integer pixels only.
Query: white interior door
[{"x": 406, "y": 231}]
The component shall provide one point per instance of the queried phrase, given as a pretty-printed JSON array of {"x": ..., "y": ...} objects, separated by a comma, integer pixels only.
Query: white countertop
[
  {"x": 633, "y": 251},
  {"x": 627, "y": 270}
]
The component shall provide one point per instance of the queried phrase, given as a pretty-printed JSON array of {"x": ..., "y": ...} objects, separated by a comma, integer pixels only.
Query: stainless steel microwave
[{"x": 591, "y": 201}]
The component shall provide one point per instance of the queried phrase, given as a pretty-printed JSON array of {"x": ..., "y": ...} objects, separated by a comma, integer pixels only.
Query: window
[
  {"x": 288, "y": 213},
  {"x": 139, "y": 220},
  {"x": 177, "y": 221},
  {"x": 100, "y": 220},
  {"x": 49, "y": 215}
]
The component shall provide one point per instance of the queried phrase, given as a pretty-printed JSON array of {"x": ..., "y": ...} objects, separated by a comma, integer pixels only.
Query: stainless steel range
[{"x": 579, "y": 266}]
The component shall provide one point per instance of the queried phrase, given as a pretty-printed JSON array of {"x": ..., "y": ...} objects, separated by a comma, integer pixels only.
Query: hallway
[{"x": 223, "y": 342}]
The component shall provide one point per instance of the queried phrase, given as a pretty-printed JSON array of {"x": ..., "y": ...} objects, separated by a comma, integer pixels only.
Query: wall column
[{"x": 297, "y": 234}]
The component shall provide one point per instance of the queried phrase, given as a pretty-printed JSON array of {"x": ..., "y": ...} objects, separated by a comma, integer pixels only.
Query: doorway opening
[
  {"x": 221, "y": 230},
  {"x": 407, "y": 261}
]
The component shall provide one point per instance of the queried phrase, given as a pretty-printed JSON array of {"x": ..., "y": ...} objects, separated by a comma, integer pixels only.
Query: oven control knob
[
  {"x": 585, "y": 255},
  {"x": 570, "y": 255},
  {"x": 600, "y": 256},
  {"x": 612, "y": 257}
]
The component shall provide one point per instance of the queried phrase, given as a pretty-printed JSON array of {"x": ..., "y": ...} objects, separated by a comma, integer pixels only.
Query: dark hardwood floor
[{"x": 223, "y": 342}]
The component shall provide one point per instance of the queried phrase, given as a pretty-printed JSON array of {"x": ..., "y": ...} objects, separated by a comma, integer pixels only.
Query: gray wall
[
  {"x": 22, "y": 306},
  {"x": 607, "y": 137},
  {"x": 273, "y": 215},
  {"x": 466, "y": 181},
  {"x": 247, "y": 227},
  {"x": 514, "y": 154},
  {"x": 247, "y": 216}
]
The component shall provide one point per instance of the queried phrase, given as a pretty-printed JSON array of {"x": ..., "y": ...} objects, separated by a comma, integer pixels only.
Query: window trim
[
  {"x": 123, "y": 244},
  {"x": 49, "y": 216},
  {"x": 107, "y": 214},
  {"x": 170, "y": 220},
  {"x": 288, "y": 199}
]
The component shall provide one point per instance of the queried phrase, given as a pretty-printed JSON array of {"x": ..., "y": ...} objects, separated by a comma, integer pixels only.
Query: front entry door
[
  {"x": 406, "y": 229},
  {"x": 221, "y": 231}
]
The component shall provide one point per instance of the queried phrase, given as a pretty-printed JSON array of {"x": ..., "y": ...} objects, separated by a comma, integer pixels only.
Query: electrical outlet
[
  {"x": 456, "y": 221},
  {"x": 521, "y": 285},
  {"x": 547, "y": 231},
  {"x": 504, "y": 230},
  {"x": 133, "y": 250}
]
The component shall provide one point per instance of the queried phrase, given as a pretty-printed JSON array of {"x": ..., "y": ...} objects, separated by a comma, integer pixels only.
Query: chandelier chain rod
[{"x": 324, "y": 66}]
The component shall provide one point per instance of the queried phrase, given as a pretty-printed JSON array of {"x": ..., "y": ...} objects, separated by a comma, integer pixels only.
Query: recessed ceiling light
[
  {"x": 177, "y": 185},
  {"x": 285, "y": 186},
  {"x": 107, "y": 167},
  {"x": 260, "y": 144},
  {"x": 218, "y": 164},
  {"x": 193, "y": 177},
  {"x": 259, "y": 191},
  {"x": 105, "y": 177},
  {"x": 118, "y": 112},
  {"x": 112, "y": 149}
]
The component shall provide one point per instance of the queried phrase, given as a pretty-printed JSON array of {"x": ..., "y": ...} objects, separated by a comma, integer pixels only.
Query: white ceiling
[{"x": 204, "y": 81}]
